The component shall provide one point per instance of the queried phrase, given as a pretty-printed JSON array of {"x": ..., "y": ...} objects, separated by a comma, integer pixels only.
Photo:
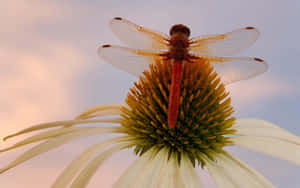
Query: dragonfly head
[{"x": 180, "y": 29}]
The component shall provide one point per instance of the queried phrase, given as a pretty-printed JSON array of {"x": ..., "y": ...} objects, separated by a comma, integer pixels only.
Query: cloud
[
  {"x": 251, "y": 92},
  {"x": 37, "y": 72},
  {"x": 24, "y": 14},
  {"x": 37, "y": 78},
  {"x": 36, "y": 87}
]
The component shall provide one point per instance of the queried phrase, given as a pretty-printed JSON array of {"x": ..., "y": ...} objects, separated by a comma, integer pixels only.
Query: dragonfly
[{"x": 146, "y": 45}]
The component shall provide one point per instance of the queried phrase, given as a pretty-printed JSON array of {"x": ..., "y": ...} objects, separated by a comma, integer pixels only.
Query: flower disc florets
[{"x": 204, "y": 117}]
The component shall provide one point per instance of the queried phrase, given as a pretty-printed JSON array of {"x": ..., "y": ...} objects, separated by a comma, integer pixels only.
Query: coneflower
[{"x": 167, "y": 156}]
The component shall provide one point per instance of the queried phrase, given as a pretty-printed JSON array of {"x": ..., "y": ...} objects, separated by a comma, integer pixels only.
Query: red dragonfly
[{"x": 178, "y": 47}]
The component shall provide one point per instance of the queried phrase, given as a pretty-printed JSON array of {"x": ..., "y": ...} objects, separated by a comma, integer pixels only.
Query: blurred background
[{"x": 49, "y": 70}]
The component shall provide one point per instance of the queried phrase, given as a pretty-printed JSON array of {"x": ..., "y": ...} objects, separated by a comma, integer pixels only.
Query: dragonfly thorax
[
  {"x": 178, "y": 49},
  {"x": 179, "y": 42}
]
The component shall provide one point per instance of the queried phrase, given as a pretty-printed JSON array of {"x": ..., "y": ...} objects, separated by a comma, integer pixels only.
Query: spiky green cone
[{"x": 204, "y": 117}]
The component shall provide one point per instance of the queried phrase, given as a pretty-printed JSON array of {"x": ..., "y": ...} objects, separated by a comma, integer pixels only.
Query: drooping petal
[
  {"x": 267, "y": 138},
  {"x": 154, "y": 170},
  {"x": 221, "y": 178},
  {"x": 160, "y": 174},
  {"x": 100, "y": 110},
  {"x": 188, "y": 174},
  {"x": 85, "y": 175},
  {"x": 61, "y": 123},
  {"x": 43, "y": 136},
  {"x": 230, "y": 172},
  {"x": 271, "y": 146},
  {"x": 56, "y": 142},
  {"x": 257, "y": 127},
  {"x": 171, "y": 171},
  {"x": 130, "y": 175},
  {"x": 256, "y": 175},
  {"x": 150, "y": 176},
  {"x": 70, "y": 172},
  {"x": 174, "y": 179},
  {"x": 242, "y": 174}
]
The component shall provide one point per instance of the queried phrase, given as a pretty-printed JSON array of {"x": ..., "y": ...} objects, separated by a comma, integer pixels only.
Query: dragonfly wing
[
  {"x": 127, "y": 59},
  {"x": 136, "y": 36},
  {"x": 226, "y": 44},
  {"x": 233, "y": 69}
]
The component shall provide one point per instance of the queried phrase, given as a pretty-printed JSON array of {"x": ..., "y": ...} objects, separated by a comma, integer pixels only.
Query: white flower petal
[
  {"x": 58, "y": 141},
  {"x": 230, "y": 172},
  {"x": 256, "y": 175},
  {"x": 101, "y": 110},
  {"x": 219, "y": 175},
  {"x": 43, "y": 136},
  {"x": 109, "y": 112},
  {"x": 61, "y": 123},
  {"x": 277, "y": 148},
  {"x": 241, "y": 174},
  {"x": 70, "y": 172},
  {"x": 174, "y": 174},
  {"x": 85, "y": 175},
  {"x": 171, "y": 177},
  {"x": 256, "y": 127},
  {"x": 134, "y": 170},
  {"x": 188, "y": 174},
  {"x": 161, "y": 174},
  {"x": 152, "y": 170},
  {"x": 166, "y": 177},
  {"x": 149, "y": 177}
]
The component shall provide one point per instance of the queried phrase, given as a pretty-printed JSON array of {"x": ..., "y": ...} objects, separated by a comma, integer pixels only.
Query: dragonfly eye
[{"x": 180, "y": 28}]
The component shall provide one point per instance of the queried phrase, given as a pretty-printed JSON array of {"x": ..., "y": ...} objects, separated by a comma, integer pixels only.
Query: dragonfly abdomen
[{"x": 174, "y": 93}]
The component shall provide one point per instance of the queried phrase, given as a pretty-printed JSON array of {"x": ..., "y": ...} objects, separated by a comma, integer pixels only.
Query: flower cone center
[{"x": 204, "y": 117}]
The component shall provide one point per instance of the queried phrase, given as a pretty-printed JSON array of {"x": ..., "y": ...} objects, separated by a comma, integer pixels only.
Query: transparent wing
[
  {"x": 226, "y": 44},
  {"x": 136, "y": 36},
  {"x": 232, "y": 69},
  {"x": 127, "y": 59}
]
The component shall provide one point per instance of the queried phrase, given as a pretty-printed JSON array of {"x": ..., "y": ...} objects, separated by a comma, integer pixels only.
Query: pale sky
[{"x": 49, "y": 70}]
